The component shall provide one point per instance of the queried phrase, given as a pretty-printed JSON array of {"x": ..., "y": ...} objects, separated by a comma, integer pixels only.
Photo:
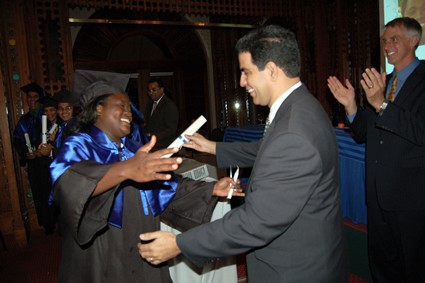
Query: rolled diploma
[
  {"x": 28, "y": 142},
  {"x": 44, "y": 129},
  {"x": 53, "y": 128},
  {"x": 178, "y": 142}
]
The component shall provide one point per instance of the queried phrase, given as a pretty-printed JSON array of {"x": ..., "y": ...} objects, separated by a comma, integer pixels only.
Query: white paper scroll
[
  {"x": 28, "y": 142},
  {"x": 52, "y": 130},
  {"x": 178, "y": 142},
  {"x": 43, "y": 129}
]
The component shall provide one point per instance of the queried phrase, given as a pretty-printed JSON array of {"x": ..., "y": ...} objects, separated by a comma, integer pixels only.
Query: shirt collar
[
  {"x": 276, "y": 105},
  {"x": 159, "y": 99},
  {"x": 403, "y": 74}
]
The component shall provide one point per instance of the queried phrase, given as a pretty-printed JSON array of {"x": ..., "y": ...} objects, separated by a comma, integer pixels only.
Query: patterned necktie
[
  {"x": 155, "y": 104},
  {"x": 391, "y": 94},
  {"x": 267, "y": 125}
]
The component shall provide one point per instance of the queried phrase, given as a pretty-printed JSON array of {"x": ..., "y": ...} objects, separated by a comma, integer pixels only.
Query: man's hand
[
  {"x": 373, "y": 83},
  {"x": 222, "y": 187},
  {"x": 200, "y": 143},
  {"x": 162, "y": 247},
  {"x": 344, "y": 94},
  {"x": 45, "y": 149}
]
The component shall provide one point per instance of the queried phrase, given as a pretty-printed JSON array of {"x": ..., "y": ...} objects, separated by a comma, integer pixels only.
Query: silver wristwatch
[{"x": 382, "y": 107}]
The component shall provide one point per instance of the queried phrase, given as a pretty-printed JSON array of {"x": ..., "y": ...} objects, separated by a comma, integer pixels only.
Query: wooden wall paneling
[
  {"x": 11, "y": 219},
  {"x": 200, "y": 7},
  {"x": 66, "y": 46},
  {"x": 51, "y": 37},
  {"x": 360, "y": 44},
  {"x": 307, "y": 44},
  {"x": 342, "y": 49},
  {"x": 321, "y": 37},
  {"x": 144, "y": 75},
  {"x": 14, "y": 67},
  {"x": 219, "y": 51},
  {"x": 226, "y": 80},
  {"x": 33, "y": 35}
]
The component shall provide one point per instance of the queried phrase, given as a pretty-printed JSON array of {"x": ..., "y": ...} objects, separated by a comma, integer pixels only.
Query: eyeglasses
[{"x": 67, "y": 108}]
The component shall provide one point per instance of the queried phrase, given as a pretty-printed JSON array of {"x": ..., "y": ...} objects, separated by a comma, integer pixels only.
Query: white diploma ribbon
[{"x": 235, "y": 178}]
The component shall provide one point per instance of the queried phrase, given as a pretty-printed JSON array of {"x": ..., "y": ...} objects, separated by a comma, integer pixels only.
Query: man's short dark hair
[
  {"x": 272, "y": 44},
  {"x": 412, "y": 26},
  {"x": 158, "y": 81}
]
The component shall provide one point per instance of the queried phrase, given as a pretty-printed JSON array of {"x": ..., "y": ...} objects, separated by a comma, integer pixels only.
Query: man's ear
[
  {"x": 414, "y": 40},
  {"x": 272, "y": 70}
]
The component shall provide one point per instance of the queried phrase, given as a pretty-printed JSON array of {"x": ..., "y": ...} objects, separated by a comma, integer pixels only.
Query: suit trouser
[{"x": 396, "y": 244}]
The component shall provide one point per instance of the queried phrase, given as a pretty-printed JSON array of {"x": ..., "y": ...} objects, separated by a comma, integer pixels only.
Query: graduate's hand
[
  {"x": 142, "y": 167},
  {"x": 162, "y": 247},
  {"x": 30, "y": 155},
  {"x": 199, "y": 143},
  {"x": 223, "y": 186},
  {"x": 52, "y": 136},
  {"x": 34, "y": 154},
  {"x": 45, "y": 149},
  {"x": 146, "y": 166}
]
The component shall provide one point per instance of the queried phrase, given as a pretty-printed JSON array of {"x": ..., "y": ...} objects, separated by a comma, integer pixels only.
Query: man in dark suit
[
  {"x": 290, "y": 225},
  {"x": 393, "y": 126},
  {"x": 162, "y": 116}
]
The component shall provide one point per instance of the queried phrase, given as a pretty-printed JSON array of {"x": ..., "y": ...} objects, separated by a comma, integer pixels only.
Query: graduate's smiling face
[
  {"x": 32, "y": 98},
  {"x": 51, "y": 112},
  {"x": 114, "y": 116},
  {"x": 65, "y": 111}
]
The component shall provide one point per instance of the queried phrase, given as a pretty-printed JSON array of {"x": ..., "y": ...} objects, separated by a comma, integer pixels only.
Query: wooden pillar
[{"x": 16, "y": 74}]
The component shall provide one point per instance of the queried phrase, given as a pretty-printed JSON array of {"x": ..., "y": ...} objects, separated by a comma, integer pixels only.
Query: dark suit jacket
[
  {"x": 290, "y": 225},
  {"x": 395, "y": 151},
  {"x": 163, "y": 122}
]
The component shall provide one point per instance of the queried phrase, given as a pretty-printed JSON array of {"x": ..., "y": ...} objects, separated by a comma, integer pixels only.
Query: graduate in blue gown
[
  {"x": 31, "y": 156},
  {"x": 109, "y": 189},
  {"x": 66, "y": 109}
]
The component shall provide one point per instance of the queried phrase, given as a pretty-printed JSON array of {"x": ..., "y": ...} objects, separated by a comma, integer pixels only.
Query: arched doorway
[{"x": 173, "y": 52}]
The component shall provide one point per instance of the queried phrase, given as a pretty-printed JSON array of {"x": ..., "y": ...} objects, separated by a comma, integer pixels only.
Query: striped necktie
[
  {"x": 155, "y": 104},
  {"x": 267, "y": 125},
  {"x": 391, "y": 94}
]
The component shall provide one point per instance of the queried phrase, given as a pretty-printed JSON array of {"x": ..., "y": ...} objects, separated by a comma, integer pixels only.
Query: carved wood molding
[{"x": 202, "y": 7}]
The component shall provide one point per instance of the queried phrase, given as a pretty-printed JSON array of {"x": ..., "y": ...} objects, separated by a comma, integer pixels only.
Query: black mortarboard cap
[
  {"x": 48, "y": 101},
  {"x": 97, "y": 89},
  {"x": 65, "y": 96},
  {"x": 33, "y": 87}
]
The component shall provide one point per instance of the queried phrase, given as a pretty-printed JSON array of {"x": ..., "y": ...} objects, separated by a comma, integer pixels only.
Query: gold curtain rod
[{"x": 169, "y": 23}]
